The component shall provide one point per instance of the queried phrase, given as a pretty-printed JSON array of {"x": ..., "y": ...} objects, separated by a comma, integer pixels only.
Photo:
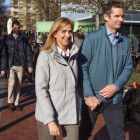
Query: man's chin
[{"x": 118, "y": 27}]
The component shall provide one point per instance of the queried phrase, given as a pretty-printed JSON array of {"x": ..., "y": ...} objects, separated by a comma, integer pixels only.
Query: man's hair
[
  {"x": 80, "y": 35},
  {"x": 108, "y": 6},
  {"x": 15, "y": 22}
]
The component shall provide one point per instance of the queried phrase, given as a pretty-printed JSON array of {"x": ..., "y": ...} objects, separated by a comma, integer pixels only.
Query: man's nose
[{"x": 121, "y": 19}]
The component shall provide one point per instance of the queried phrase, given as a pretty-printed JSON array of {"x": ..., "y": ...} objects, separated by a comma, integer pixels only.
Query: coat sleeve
[
  {"x": 4, "y": 57},
  {"x": 42, "y": 86},
  {"x": 126, "y": 73},
  {"x": 29, "y": 55},
  {"x": 84, "y": 60}
]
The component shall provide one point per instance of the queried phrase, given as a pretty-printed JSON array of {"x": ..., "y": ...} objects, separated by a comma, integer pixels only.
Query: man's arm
[{"x": 84, "y": 61}]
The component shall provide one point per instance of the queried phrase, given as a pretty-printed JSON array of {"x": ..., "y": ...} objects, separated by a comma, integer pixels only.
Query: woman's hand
[{"x": 54, "y": 130}]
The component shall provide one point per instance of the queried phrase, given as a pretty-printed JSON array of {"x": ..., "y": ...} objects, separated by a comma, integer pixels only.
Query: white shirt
[{"x": 61, "y": 52}]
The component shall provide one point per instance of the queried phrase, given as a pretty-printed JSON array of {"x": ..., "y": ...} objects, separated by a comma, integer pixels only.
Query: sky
[{"x": 7, "y": 2}]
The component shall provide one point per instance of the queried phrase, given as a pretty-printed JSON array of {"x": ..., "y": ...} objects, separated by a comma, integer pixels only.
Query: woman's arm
[{"x": 42, "y": 85}]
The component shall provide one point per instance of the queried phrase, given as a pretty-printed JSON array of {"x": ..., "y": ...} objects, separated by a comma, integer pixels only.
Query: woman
[{"x": 56, "y": 84}]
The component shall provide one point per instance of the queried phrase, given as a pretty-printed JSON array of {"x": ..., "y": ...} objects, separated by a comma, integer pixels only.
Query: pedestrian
[
  {"x": 131, "y": 99},
  {"x": 105, "y": 66},
  {"x": 17, "y": 56},
  {"x": 78, "y": 38},
  {"x": 36, "y": 49},
  {"x": 30, "y": 75},
  {"x": 80, "y": 27},
  {"x": 56, "y": 84}
]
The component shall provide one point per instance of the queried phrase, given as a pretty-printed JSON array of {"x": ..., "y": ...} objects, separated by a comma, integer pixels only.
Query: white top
[{"x": 61, "y": 52}]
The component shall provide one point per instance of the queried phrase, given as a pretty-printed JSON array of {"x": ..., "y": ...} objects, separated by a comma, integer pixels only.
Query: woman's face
[{"x": 63, "y": 36}]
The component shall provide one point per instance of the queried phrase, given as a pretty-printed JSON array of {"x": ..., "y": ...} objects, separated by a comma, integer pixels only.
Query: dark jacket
[
  {"x": 95, "y": 62},
  {"x": 8, "y": 49}
]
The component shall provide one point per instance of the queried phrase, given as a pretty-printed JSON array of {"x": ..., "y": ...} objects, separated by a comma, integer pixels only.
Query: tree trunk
[
  {"x": 97, "y": 24},
  {"x": 97, "y": 19}
]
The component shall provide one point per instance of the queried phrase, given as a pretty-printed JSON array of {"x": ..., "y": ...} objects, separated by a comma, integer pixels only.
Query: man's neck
[
  {"x": 15, "y": 34},
  {"x": 113, "y": 31}
]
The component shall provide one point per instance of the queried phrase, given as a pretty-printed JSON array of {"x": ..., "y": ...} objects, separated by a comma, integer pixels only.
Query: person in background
[
  {"x": 30, "y": 78},
  {"x": 132, "y": 50},
  {"x": 78, "y": 38},
  {"x": 130, "y": 99},
  {"x": 80, "y": 27},
  {"x": 56, "y": 84},
  {"x": 133, "y": 54},
  {"x": 105, "y": 66},
  {"x": 16, "y": 54}
]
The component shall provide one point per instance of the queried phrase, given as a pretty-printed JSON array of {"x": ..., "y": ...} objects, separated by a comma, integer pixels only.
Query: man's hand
[
  {"x": 92, "y": 102},
  {"x": 53, "y": 128},
  {"x": 2, "y": 73},
  {"x": 30, "y": 70},
  {"x": 108, "y": 91}
]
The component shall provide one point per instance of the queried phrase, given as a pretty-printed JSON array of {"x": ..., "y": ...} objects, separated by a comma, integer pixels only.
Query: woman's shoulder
[{"x": 45, "y": 54}]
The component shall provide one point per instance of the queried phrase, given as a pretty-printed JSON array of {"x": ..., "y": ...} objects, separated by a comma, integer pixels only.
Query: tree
[
  {"x": 128, "y": 5},
  {"x": 48, "y": 9},
  {"x": 3, "y": 17}
]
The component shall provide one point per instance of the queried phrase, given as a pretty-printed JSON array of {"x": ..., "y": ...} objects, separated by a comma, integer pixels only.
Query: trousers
[
  {"x": 14, "y": 84},
  {"x": 69, "y": 132}
]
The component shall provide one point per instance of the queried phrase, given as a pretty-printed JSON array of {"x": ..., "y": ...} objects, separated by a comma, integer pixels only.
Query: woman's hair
[{"x": 58, "y": 24}]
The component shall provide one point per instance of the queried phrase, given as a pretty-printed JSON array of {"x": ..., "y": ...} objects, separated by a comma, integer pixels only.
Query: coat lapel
[{"x": 57, "y": 57}]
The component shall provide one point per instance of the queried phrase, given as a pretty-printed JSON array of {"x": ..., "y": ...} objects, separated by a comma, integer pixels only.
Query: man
[
  {"x": 30, "y": 80},
  {"x": 78, "y": 38},
  {"x": 105, "y": 66},
  {"x": 79, "y": 28},
  {"x": 17, "y": 56}
]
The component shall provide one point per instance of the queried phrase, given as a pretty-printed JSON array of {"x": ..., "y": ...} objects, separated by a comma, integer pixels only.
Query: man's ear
[{"x": 106, "y": 17}]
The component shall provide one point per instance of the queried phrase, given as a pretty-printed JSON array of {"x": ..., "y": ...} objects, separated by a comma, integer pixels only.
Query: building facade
[{"x": 25, "y": 12}]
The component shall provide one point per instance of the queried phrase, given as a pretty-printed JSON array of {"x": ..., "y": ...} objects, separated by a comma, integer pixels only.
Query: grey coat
[{"x": 56, "y": 87}]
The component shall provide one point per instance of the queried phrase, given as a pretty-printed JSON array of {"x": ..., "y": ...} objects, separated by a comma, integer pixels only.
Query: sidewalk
[{"x": 22, "y": 125}]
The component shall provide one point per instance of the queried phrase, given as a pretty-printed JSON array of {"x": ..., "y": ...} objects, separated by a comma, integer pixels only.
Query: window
[
  {"x": 20, "y": 2},
  {"x": 20, "y": 8}
]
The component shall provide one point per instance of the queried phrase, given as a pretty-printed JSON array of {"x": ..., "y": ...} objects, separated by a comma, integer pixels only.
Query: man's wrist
[{"x": 88, "y": 97}]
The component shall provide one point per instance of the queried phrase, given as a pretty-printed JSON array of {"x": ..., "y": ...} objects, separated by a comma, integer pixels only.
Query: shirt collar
[
  {"x": 110, "y": 33},
  {"x": 61, "y": 52},
  {"x": 16, "y": 36}
]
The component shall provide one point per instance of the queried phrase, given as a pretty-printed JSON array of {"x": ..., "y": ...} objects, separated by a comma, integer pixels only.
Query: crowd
[{"x": 94, "y": 68}]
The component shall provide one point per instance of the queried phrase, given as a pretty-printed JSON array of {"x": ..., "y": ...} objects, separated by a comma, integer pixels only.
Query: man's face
[
  {"x": 30, "y": 41},
  {"x": 115, "y": 19},
  {"x": 80, "y": 28},
  {"x": 16, "y": 29}
]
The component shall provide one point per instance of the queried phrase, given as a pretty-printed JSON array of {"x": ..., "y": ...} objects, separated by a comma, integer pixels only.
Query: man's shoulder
[{"x": 96, "y": 33}]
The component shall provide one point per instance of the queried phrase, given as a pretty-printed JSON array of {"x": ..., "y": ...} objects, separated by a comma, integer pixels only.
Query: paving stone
[{"x": 22, "y": 125}]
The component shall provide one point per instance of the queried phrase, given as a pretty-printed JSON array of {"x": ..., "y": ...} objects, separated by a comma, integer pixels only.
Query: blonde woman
[{"x": 56, "y": 84}]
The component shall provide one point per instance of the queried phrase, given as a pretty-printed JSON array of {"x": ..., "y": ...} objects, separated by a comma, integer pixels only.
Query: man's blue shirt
[{"x": 113, "y": 39}]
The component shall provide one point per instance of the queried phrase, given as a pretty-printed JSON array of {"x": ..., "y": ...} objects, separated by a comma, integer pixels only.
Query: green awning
[
  {"x": 83, "y": 23},
  {"x": 43, "y": 26}
]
